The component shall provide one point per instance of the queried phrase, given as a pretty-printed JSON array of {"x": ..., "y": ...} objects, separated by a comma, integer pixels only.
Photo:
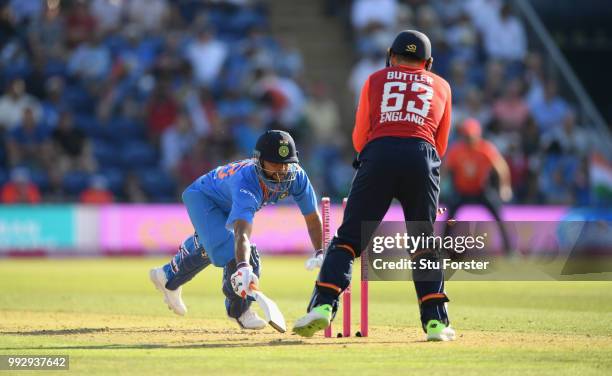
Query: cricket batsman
[
  {"x": 221, "y": 206},
  {"x": 401, "y": 131}
]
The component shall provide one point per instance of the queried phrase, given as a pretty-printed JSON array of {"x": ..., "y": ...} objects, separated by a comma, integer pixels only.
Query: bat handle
[{"x": 253, "y": 286}]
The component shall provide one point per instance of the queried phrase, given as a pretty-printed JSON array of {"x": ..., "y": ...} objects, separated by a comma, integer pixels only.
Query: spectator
[
  {"x": 26, "y": 12},
  {"x": 80, "y": 24},
  {"x": 202, "y": 111},
  {"x": 550, "y": 110},
  {"x": 29, "y": 143},
  {"x": 322, "y": 115},
  {"x": 246, "y": 133},
  {"x": 483, "y": 13},
  {"x": 47, "y": 34},
  {"x": 91, "y": 60},
  {"x": 289, "y": 61},
  {"x": 14, "y": 103},
  {"x": 450, "y": 11},
  {"x": 162, "y": 111},
  {"x": 8, "y": 24},
  {"x": 132, "y": 188},
  {"x": 504, "y": 37},
  {"x": 530, "y": 138},
  {"x": 534, "y": 77},
  {"x": 462, "y": 37},
  {"x": 97, "y": 193},
  {"x": 459, "y": 81},
  {"x": 472, "y": 107},
  {"x": 196, "y": 162},
  {"x": 35, "y": 79},
  {"x": 54, "y": 101},
  {"x": 367, "y": 12},
  {"x": 283, "y": 95},
  {"x": 72, "y": 148},
  {"x": 427, "y": 22},
  {"x": 518, "y": 165},
  {"x": 511, "y": 110},
  {"x": 558, "y": 174},
  {"x": 176, "y": 142},
  {"x": 149, "y": 16},
  {"x": 206, "y": 55},
  {"x": 20, "y": 190},
  {"x": 366, "y": 66},
  {"x": 494, "y": 81},
  {"x": 108, "y": 14},
  {"x": 571, "y": 139}
]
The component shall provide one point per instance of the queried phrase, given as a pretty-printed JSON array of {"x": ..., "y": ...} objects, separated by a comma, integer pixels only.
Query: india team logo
[{"x": 283, "y": 151}]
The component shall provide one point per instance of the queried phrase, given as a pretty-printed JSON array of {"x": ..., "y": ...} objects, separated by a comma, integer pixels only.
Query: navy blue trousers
[{"x": 407, "y": 169}]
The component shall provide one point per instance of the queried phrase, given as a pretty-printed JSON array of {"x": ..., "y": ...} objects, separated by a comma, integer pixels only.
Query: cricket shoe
[
  {"x": 250, "y": 320},
  {"x": 437, "y": 331},
  {"x": 317, "y": 319},
  {"x": 171, "y": 297}
]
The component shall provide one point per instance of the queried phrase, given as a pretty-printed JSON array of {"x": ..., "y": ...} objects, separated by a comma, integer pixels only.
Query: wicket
[{"x": 346, "y": 295}]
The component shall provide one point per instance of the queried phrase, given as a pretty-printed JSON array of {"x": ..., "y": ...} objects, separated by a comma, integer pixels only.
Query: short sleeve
[
  {"x": 244, "y": 205},
  {"x": 491, "y": 152},
  {"x": 303, "y": 193}
]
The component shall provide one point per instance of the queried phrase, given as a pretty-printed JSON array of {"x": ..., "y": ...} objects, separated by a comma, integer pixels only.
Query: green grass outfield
[{"x": 107, "y": 316}]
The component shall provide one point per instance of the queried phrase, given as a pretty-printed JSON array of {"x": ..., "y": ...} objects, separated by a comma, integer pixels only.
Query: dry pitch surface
[{"x": 105, "y": 314}]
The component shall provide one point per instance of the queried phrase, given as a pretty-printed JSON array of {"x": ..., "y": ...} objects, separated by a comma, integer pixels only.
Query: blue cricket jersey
[{"x": 236, "y": 189}]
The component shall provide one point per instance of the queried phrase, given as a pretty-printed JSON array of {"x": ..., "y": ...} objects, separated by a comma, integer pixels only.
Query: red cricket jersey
[
  {"x": 402, "y": 101},
  {"x": 471, "y": 165}
]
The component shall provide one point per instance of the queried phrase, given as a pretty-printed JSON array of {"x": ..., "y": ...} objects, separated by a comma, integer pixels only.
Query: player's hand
[
  {"x": 505, "y": 192},
  {"x": 315, "y": 261},
  {"x": 242, "y": 279}
]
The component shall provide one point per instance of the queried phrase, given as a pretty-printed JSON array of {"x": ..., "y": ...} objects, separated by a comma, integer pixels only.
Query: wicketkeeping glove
[{"x": 315, "y": 261}]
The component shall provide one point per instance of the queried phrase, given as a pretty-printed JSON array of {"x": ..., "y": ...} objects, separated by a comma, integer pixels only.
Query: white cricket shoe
[
  {"x": 250, "y": 320},
  {"x": 171, "y": 297}
]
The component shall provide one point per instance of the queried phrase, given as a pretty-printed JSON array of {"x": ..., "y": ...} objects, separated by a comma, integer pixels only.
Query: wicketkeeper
[
  {"x": 221, "y": 206},
  {"x": 401, "y": 131}
]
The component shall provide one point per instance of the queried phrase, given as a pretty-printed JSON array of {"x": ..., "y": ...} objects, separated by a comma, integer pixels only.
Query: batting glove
[
  {"x": 242, "y": 279},
  {"x": 315, "y": 261}
]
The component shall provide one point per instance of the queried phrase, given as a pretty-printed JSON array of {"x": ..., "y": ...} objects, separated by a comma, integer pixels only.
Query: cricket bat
[{"x": 273, "y": 315}]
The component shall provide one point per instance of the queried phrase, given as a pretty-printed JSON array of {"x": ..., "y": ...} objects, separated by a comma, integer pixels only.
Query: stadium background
[{"x": 126, "y": 102}]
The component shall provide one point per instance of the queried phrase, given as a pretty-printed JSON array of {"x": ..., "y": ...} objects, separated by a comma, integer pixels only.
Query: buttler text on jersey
[{"x": 392, "y": 106}]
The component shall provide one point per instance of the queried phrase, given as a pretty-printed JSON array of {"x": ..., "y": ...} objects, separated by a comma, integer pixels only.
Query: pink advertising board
[
  {"x": 277, "y": 229},
  {"x": 161, "y": 228}
]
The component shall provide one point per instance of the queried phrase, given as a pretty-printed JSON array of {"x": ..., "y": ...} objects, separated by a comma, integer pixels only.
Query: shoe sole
[
  {"x": 161, "y": 288},
  {"x": 254, "y": 328},
  {"x": 440, "y": 338},
  {"x": 311, "y": 328}
]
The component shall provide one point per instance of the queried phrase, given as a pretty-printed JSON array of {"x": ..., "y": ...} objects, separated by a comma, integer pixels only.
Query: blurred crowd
[
  {"x": 481, "y": 47},
  {"x": 130, "y": 100}
]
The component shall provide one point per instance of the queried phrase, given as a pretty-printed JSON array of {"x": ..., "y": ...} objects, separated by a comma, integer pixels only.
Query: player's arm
[
  {"x": 242, "y": 279},
  {"x": 304, "y": 195},
  {"x": 363, "y": 127},
  {"x": 242, "y": 244},
  {"x": 503, "y": 171},
  {"x": 240, "y": 219},
  {"x": 444, "y": 126},
  {"x": 315, "y": 229}
]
